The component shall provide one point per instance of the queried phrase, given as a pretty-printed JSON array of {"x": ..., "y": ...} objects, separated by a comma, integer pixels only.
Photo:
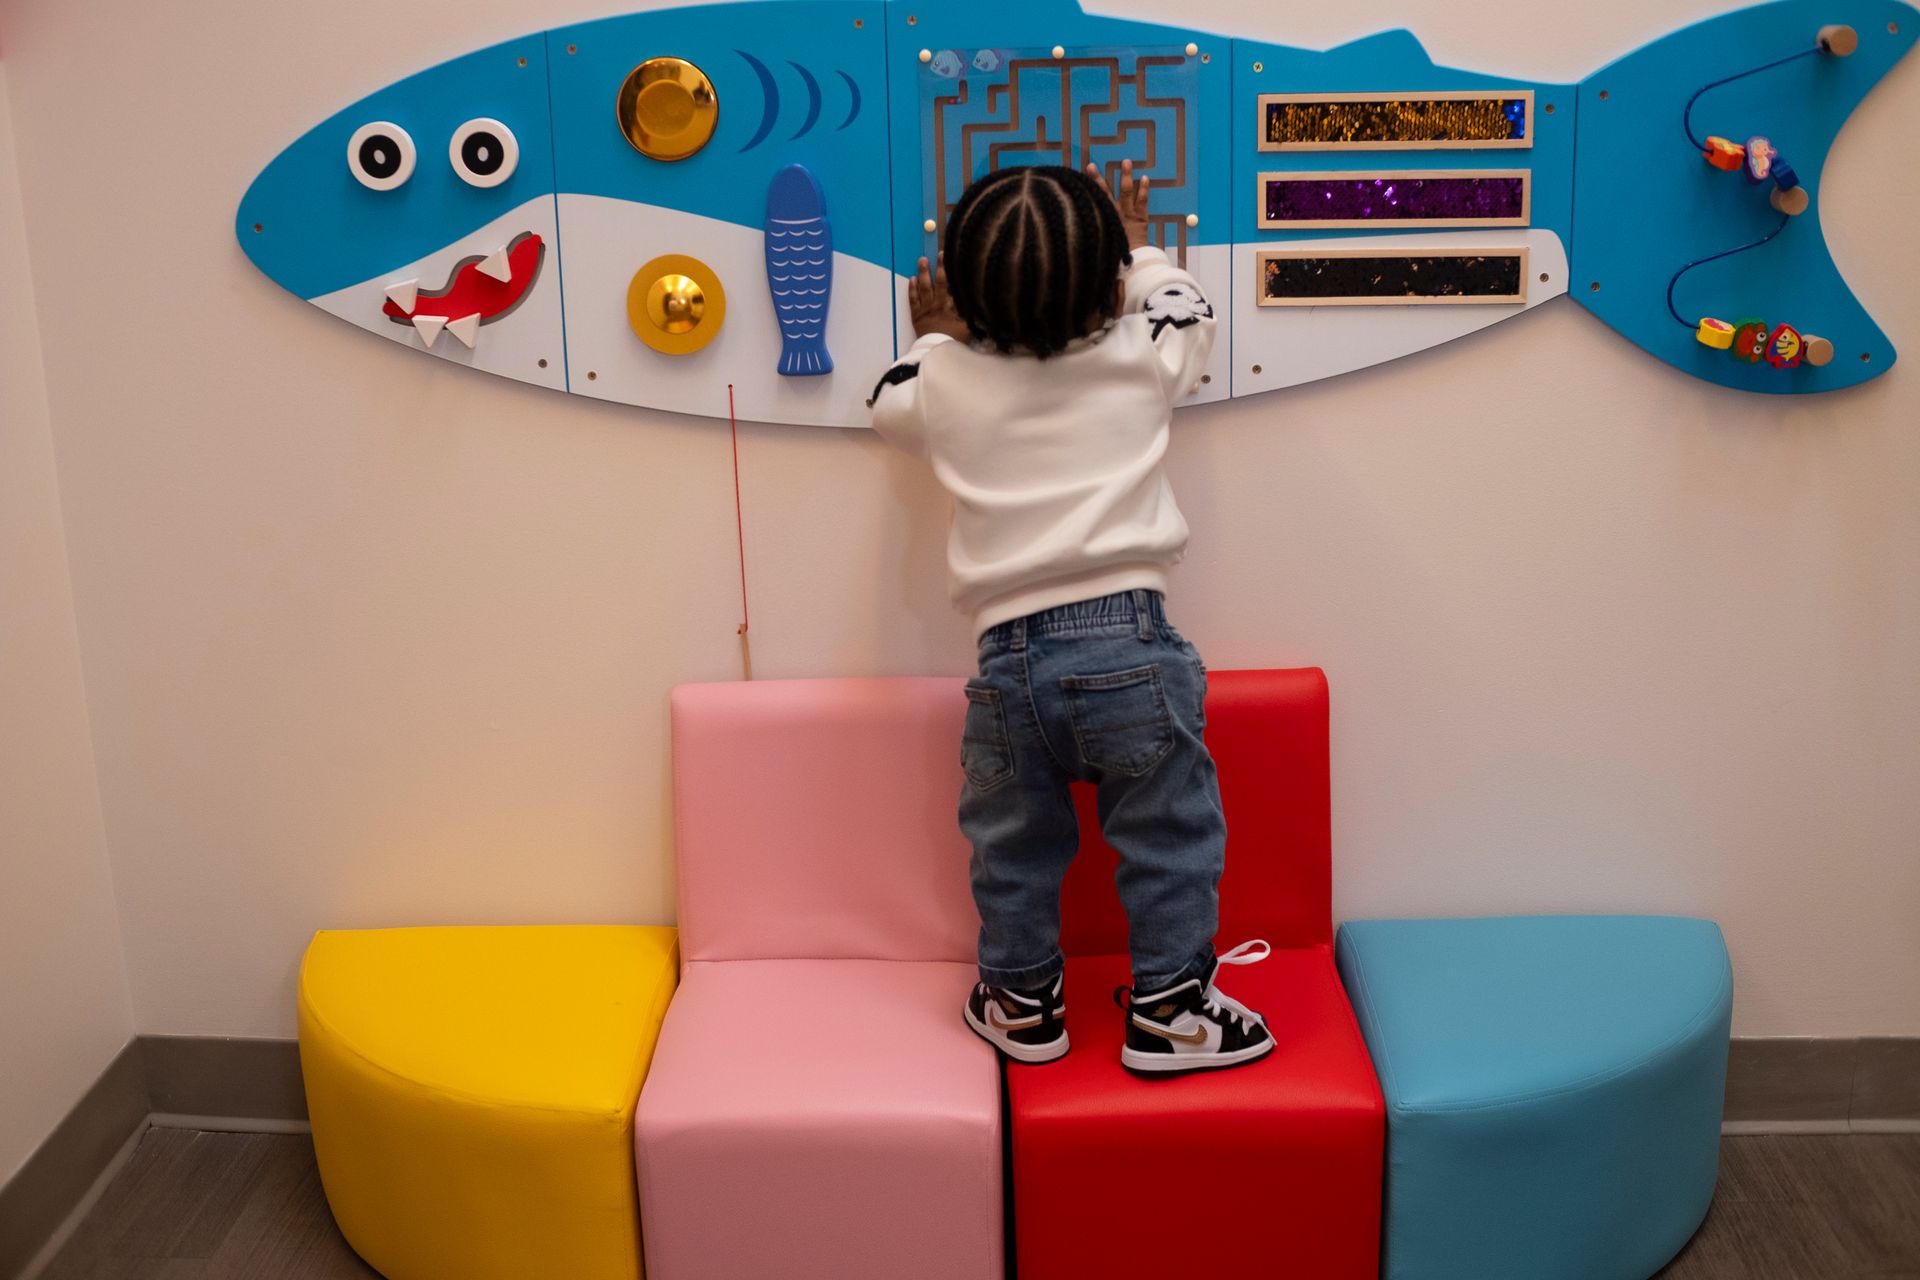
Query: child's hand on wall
[
  {"x": 1132, "y": 199},
  {"x": 931, "y": 306}
]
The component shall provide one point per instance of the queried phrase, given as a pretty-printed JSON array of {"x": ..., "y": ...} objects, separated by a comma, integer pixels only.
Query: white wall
[
  {"x": 373, "y": 640},
  {"x": 64, "y": 1010}
]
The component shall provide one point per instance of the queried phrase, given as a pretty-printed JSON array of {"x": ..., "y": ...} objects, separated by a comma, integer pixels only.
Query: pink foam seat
[
  {"x": 817, "y": 1109},
  {"x": 820, "y": 1117}
]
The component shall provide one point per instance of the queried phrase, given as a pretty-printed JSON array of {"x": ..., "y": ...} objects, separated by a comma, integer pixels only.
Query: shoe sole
[
  {"x": 1159, "y": 1065},
  {"x": 1031, "y": 1054}
]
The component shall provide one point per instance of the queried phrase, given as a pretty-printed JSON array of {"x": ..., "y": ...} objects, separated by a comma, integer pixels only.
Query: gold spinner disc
[
  {"x": 667, "y": 108},
  {"x": 675, "y": 304}
]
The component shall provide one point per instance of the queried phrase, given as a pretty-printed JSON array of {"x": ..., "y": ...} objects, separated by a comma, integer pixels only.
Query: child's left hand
[{"x": 931, "y": 306}]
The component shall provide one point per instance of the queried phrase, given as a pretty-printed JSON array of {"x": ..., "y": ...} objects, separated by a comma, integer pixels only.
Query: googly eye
[
  {"x": 484, "y": 152},
  {"x": 380, "y": 154}
]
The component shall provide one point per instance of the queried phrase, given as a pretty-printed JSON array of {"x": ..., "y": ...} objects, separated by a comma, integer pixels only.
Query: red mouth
[{"x": 470, "y": 291}]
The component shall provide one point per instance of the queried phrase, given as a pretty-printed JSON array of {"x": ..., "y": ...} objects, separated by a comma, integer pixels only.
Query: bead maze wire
[
  {"x": 1675, "y": 282},
  {"x": 1686, "y": 119},
  {"x": 1698, "y": 144}
]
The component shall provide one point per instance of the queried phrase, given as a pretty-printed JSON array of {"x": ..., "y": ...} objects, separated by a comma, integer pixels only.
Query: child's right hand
[
  {"x": 1132, "y": 201},
  {"x": 931, "y": 306}
]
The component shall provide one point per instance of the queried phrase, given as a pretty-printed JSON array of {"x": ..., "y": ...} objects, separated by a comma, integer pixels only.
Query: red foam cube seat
[{"x": 1288, "y": 1148}]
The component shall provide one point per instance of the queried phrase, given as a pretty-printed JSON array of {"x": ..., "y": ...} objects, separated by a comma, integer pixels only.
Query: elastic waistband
[{"x": 1142, "y": 610}]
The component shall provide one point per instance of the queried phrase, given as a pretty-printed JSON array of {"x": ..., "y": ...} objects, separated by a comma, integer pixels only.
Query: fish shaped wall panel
[{"x": 598, "y": 208}]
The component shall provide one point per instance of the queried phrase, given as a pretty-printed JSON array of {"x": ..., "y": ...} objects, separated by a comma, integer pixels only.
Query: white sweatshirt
[{"x": 1054, "y": 465}]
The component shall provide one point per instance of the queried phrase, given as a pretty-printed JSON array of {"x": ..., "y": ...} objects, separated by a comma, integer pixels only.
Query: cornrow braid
[{"x": 1032, "y": 254}]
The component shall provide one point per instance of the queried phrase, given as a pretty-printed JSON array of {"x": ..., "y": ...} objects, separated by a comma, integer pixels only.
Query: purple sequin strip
[{"x": 1394, "y": 199}]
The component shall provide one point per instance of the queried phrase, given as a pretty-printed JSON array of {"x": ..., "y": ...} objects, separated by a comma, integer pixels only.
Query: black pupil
[
  {"x": 380, "y": 156},
  {"x": 481, "y": 153}
]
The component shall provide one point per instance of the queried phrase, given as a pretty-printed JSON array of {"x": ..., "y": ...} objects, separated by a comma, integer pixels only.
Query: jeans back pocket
[
  {"x": 985, "y": 754},
  {"x": 1120, "y": 720}
]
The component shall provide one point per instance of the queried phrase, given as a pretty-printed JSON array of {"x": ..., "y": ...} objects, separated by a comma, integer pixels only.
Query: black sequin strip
[{"x": 1436, "y": 276}]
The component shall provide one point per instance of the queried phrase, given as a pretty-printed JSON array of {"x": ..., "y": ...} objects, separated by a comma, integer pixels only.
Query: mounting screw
[
  {"x": 543, "y": 362},
  {"x": 591, "y": 375},
  {"x": 1259, "y": 66},
  {"x": 1256, "y": 368},
  {"x": 573, "y": 48}
]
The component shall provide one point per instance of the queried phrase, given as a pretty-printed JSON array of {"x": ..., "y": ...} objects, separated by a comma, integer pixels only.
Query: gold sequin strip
[{"x": 1395, "y": 121}]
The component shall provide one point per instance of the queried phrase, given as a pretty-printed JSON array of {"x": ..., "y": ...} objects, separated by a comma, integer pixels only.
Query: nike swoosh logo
[
  {"x": 1018, "y": 1024},
  {"x": 1197, "y": 1036}
]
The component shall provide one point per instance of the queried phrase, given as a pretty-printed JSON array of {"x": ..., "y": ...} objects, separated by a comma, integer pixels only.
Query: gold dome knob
[
  {"x": 675, "y": 304},
  {"x": 667, "y": 108}
]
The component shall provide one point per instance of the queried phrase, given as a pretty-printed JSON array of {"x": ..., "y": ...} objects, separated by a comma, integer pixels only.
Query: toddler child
[{"x": 1052, "y": 345}]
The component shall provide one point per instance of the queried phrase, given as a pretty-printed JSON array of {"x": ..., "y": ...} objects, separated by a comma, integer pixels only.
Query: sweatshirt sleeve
[
  {"x": 898, "y": 408},
  {"x": 1179, "y": 318}
]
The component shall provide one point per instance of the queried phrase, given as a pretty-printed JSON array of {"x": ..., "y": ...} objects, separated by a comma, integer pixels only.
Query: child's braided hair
[{"x": 1032, "y": 254}]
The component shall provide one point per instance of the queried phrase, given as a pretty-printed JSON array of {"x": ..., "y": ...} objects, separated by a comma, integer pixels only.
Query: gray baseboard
[
  {"x": 61, "y": 1172},
  {"x": 1777, "y": 1085},
  {"x": 1801, "y": 1084},
  {"x": 187, "y": 1081}
]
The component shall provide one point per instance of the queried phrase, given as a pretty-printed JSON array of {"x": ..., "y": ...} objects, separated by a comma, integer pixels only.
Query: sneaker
[
  {"x": 1193, "y": 1025},
  {"x": 1027, "y": 1026}
]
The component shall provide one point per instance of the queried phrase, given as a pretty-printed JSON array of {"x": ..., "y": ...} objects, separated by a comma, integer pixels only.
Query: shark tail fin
[{"x": 1668, "y": 237}]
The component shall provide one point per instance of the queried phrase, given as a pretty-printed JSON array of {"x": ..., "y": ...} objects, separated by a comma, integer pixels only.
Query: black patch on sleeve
[
  {"x": 1177, "y": 306},
  {"x": 894, "y": 377}
]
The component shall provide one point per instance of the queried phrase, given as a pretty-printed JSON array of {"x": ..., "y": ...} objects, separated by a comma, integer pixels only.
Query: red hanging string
[{"x": 740, "y": 534}]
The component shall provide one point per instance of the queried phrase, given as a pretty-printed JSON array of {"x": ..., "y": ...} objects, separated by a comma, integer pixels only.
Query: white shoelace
[{"x": 1217, "y": 1001}]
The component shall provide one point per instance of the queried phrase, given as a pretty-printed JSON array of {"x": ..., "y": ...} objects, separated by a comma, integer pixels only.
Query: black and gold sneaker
[
  {"x": 1193, "y": 1025},
  {"x": 1027, "y": 1026}
]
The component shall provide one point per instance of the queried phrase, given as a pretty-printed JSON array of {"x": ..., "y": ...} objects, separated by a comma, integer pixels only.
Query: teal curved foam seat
[{"x": 1554, "y": 1087}]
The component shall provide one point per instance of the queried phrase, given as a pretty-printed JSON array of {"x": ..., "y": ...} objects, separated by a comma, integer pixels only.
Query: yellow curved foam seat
[{"x": 472, "y": 1094}]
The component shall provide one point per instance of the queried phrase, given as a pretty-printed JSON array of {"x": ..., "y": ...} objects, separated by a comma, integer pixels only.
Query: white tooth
[
  {"x": 429, "y": 327},
  {"x": 496, "y": 265},
  {"x": 466, "y": 328},
  {"x": 404, "y": 294}
]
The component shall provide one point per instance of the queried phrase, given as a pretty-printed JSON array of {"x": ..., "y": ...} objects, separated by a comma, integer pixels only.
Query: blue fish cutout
[
  {"x": 489, "y": 211},
  {"x": 800, "y": 270}
]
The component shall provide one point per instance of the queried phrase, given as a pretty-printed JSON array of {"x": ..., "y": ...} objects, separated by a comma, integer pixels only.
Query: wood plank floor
[{"x": 233, "y": 1206}]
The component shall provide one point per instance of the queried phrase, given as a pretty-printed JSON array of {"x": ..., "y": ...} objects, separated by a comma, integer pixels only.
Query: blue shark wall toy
[{"x": 1342, "y": 207}]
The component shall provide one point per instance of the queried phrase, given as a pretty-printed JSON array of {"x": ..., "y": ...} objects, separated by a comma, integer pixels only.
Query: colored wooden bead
[
  {"x": 1717, "y": 334},
  {"x": 1723, "y": 153},
  {"x": 1783, "y": 175},
  {"x": 1785, "y": 347},
  {"x": 1760, "y": 158},
  {"x": 1750, "y": 341},
  {"x": 1793, "y": 201},
  {"x": 1819, "y": 351}
]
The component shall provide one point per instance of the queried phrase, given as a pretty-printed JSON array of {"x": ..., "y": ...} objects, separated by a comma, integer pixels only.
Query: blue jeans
[{"x": 1103, "y": 691}]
